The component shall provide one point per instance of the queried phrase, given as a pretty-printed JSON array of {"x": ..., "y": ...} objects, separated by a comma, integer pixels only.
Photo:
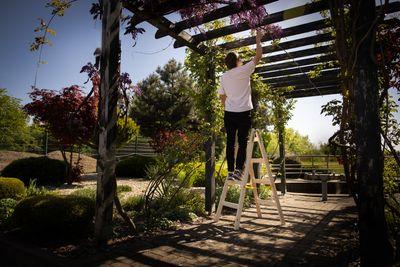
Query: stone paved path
[{"x": 316, "y": 234}]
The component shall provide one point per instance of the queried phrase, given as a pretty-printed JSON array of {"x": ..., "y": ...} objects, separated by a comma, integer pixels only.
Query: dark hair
[{"x": 231, "y": 60}]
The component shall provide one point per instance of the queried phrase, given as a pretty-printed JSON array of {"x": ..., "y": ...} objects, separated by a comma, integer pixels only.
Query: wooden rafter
[
  {"x": 288, "y": 80},
  {"x": 167, "y": 26},
  {"x": 326, "y": 90},
  {"x": 298, "y": 29},
  {"x": 311, "y": 40},
  {"x": 272, "y": 18},
  {"x": 292, "y": 71},
  {"x": 212, "y": 15},
  {"x": 298, "y": 54},
  {"x": 296, "y": 63}
]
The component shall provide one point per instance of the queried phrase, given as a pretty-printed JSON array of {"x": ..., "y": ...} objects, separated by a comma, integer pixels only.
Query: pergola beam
[
  {"x": 296, "y": 63},
  {"x": 319, "y": 38},
  {"x": 299, "y": 29},
  {"x": 272, "y": 18},
  {"x": 298, "y": 54},
  {"x": 307, "y": 84},
  {"x": 319, "y": 91},
  {"x": 292, "y": 71},
  {"x": 213, "y": 15},
  {"x": 303, "y": 78},
  {"x": 167, "y": 26}
]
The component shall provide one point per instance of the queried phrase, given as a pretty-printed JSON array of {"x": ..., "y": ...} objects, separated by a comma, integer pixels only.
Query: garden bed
[{"x": 6, "y": 157}]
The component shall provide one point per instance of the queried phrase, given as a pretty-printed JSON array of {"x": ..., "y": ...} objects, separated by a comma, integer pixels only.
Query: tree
[
  {"x": 69, "y": 116},
  {"x": 14, "y": 129},
  {"x": 164, "y": 103},
  {"x": 295, "y": 143},
  {"x": 366, "y": 77},
  {"x": 369, "y": 164}
]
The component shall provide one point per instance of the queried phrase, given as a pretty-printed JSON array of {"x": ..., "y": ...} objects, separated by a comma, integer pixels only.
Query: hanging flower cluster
[{"x": 250, "y": 12}]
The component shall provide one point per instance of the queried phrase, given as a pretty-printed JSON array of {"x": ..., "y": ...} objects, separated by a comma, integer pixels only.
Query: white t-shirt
[{"x": 235, "y": 84}]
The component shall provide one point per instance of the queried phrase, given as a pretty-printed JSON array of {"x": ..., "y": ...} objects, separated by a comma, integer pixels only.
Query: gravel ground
[{"x": 138, "y": 185}]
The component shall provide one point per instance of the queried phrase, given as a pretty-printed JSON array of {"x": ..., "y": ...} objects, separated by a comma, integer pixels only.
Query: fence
[{"x": 304, "y": 165}]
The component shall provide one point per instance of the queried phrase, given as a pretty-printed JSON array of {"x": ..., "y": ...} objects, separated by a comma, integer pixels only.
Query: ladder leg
[
  {"x": 272, "y": 182},
  {"x": 221, "y": 202},
  {"x": 240, "y": 208},
  {"x": 255, "y": 193},
  {"x": 277, "y": 203}
]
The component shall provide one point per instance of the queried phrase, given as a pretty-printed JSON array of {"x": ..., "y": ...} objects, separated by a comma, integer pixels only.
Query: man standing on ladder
[{"x": 235, "y": 95}]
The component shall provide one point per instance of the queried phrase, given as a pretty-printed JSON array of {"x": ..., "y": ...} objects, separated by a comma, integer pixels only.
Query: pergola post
[
  {"x": 282, "y": 154},
  {"x": 210, "y": 152},
  {"x": 372, "y": 224},
  {"x": 108, "y": 99}
]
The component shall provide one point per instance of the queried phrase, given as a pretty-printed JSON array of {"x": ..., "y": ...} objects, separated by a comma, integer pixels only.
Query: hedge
[
  {"x": 11, "y": 188},
  {"x": 134, "y": 166},
  {"x": 46, "y": 171},
  {"x": 55, "y": 215}
]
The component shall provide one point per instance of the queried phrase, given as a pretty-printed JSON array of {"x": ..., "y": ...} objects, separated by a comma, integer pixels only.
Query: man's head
[{"x": 232, "y": 60}]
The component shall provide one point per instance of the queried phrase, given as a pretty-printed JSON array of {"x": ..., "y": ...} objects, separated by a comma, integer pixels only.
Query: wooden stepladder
[{"x": 266, "y": 179}]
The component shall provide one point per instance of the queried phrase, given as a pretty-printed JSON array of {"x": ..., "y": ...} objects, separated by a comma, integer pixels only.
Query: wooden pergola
[{"x": 279, "y": 70}]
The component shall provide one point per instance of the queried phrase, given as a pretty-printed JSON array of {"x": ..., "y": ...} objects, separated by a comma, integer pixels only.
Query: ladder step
[
  {"x": 262, "y": 181},
  {"x": 257, "y": 160},
  {"x": 266, "y": 176},
  {"x": 231, "y": 205}
]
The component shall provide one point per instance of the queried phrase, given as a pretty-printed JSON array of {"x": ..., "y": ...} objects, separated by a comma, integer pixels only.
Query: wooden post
[
  {"x": 110, "y": 67},
  {"x": 281, "y": 140},
  {"x": 369, "y": 165},
  {"x": 210, "y": 152}
]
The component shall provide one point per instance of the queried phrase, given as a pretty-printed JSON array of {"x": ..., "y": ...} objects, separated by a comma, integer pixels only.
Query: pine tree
[{"x": 164, "y": 103}]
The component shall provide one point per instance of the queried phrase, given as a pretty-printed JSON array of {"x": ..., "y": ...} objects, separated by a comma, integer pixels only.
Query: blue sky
[{"x": 77, "y": 37}]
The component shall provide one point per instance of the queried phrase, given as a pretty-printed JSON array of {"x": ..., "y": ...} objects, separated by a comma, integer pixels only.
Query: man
[{"x": 235, "y": 95}]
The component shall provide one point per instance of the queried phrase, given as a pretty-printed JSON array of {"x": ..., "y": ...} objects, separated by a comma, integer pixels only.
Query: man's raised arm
[{"x": 258, "y": 55}]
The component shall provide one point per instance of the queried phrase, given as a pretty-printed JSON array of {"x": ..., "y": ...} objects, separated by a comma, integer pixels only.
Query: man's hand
[{"x": 258, "y": 55}]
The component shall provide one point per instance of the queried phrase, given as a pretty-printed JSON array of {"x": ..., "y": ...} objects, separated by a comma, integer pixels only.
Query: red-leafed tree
[{"x": 70, "y": 116}]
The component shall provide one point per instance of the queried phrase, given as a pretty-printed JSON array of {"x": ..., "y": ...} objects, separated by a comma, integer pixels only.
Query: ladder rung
[
  {"x": 231, "y": 205},
  {"x": 262, "y": 181},
  {"x": 234, "y": 182},
  {"x": 257, "y": 160},
  {"x": 266, "y": 177}
]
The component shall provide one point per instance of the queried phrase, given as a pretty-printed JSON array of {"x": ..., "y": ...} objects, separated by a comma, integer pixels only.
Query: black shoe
[
  {"x": 230, "y": 176},
  {"x": 238, "y": 175}
]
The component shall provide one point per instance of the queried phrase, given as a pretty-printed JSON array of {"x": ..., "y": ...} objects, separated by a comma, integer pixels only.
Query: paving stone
[{"x": 315, "y": 234}]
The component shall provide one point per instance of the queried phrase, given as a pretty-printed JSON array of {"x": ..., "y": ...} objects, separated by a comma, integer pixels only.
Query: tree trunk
[
  {"x": 375, "y": 249},
  {"x": 210, "y": 177},
  {"x": 108, "y": 101},
  {"x": 210, "y": 152}
]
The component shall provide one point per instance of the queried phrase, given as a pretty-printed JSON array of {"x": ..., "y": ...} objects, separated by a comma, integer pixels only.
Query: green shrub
[
  {"x": 91, "y": 192},
  {"x": 52, "y": 215},
  {"x": 123, "y": 188},
  {"x": 127, "y": 130},
  {"x": 11, "y": 188},
  {"x": 264, "y": 191},
  {"x": 134, "y": 166},
  {"x": 34, "y": 190},
  {"x": 134, "y": 203},
  {"x": 196, "y": 171},
  {"x": 233, "y": 195},
  {"x": 85, "y": 192},
  {"x": 45, "y": 170},
  {"x": 183, "y": 206},
  {"x": 7, "y": 206}
]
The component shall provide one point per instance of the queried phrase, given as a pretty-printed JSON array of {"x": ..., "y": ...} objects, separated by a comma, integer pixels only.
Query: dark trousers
[{"x": 236, "y": 123}]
